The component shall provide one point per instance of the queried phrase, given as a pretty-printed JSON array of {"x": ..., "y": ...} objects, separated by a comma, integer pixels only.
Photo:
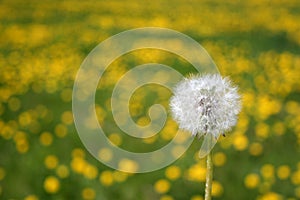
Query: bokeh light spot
[
  {"x": 106, "y": 178},
  {"x": 51, "y": 184},
  {"x": 240, "y": 142},
  {"x": 51, "y": 161},
  {"x": 217, "y": 189},
  {"x": 105, "y": 154},
  {"x": 255, "y": 149},
  {"x": 219, "y": 159},
  {"x": 173, "y": 172},
  {"x": 127, "y": 165},
  {"x": 251, "y": 181},
  {"x": 62, "y": 171},
  {"x": 162, "y": 186},
  {"x": 283, "y": 172},
  {"x": 88, "y": 194},
  {"x": 46, "y": 138}
]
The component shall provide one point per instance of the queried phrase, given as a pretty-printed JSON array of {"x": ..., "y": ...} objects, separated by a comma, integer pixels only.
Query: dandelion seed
[{"x": 206, "y": 105}]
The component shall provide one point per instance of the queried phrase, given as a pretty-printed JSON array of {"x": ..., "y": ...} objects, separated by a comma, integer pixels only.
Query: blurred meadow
[{"x": 42, "y": 45}]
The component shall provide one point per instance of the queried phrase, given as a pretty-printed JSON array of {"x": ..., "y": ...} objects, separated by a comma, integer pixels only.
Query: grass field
[{"x": 42, "y": 45}]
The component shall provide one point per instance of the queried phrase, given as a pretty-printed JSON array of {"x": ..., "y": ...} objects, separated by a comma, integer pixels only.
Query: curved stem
[{"x": 209, "y": 177}]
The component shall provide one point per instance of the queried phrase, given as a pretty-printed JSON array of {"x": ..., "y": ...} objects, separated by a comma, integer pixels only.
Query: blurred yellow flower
[
  {"x": 256, "y": 149},
  {"x": 217, "y": 189},
  {"x": 197, "y": 197},
  {"x": 270, "y": 196},
  {"x": 267, "y": 171},
  {"x": 296, "y": 177},
  {"x": 162, "y": 186},
  {"x": 62, "y": 171},
  {"x": 196, "y": 173},
  {"x": 278, "y": 128},
  {"x": 251, "y": 180},
  {"x": 166, "y": 197},
  {"x": 78, "y": 152},
  {"x": 2, "y": 173},
  {"x": 283, "y": 172},
  {"x": 240, "y": 142},
  {"x": 90, "y": 171},
  {"x": 21, "y": 142},
  {"x": 51, "y": 161},
  {"x": 128, "y": 165},
  {"x": 51, "y": 184},
  {"x": 88, "y": 194},
  {"x": 119, "y": 176},
  {"x": 173, "y": 172},
  {"x": 67, "y": 117},
  {"x": 31, "y": 197},
  {"x": 46, "y": 138},
  {"x": 78, "y": 164},
  {"x": 66, "y": 95},
  {"x": 25, "y": 119},
  {"x": 14, "y": 104},
  {"x": 106, "y": 178},
  {"x": 115, "y": 138},
  {"x": 61, "y": 130},
  {"x": 262, "y": 130},
  {"x": 105, "y": 154},
  {"x": 219, "y": 159}
]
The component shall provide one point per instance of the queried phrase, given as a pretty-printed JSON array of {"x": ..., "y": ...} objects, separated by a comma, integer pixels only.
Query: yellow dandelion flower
[
  {"x": 240, "y": 142},
  {"x": 217, "y": 189},
  {"x": 14, "y": 104},
  {"x": 67, "y": 117},
  {"x": 173, "y": 172},
  {"x": 105, "y": 154},
  {"x": 78, "y": 153},
  {"x": 162, "y": 186},
  {"x": 90, "y": 171},
  {"x": 196, "y": 173},
  {"x": 62, "y": 171},
  {"x": 127, "y": 165},
  {"x": 78, "y": 164},
  {"x": 296, "y": 177},
  {"x": 106, "y": 178},
  {"x": 31, "y": 197},
  {"x": 219, "y": 159},
  {"x": 271, "y": 196},
  {"x": 252, "y": 181},
  {"x": 262, "y": 130},
  {"x": 197, "y": 197},
  {"x": 119, "y": 176},
  {"x": 166, "y": 197},
  {"x": 267, "y": 171},
  {"x": 51, "y": 161},
  {"x": 46, "y": 138},
  {"x": 255, "y": 149},
  {"x": 283, "y": 172},
  {"x": 51, "y": 184},
  {"x": 61, "y": 130},
  {"x": 88, "y": 193},
  {"x": 115, "y": 139}
]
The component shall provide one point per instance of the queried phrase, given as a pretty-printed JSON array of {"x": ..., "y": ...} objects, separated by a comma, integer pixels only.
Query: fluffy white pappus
[{"x": 205, "y": 104}]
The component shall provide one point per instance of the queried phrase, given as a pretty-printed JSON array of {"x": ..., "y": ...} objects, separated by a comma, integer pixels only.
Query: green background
[{"x": 42, "y": 45}]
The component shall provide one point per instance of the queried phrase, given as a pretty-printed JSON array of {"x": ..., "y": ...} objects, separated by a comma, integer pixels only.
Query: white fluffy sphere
[{"x": 205, "y": 104}]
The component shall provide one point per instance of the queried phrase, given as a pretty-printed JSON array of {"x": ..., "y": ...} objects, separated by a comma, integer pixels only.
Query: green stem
[{"x": 209, "y": 177}]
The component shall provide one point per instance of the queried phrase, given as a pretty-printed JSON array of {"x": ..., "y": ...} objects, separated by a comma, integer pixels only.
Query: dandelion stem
[{"x": 209, "y": 177}]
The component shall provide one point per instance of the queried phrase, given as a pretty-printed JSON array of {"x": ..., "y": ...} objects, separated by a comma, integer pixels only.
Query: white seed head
[{"x": 205, "y": 104}]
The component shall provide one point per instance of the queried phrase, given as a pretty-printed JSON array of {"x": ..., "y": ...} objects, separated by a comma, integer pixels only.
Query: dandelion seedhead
[{"x": 205, "y": 105}]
